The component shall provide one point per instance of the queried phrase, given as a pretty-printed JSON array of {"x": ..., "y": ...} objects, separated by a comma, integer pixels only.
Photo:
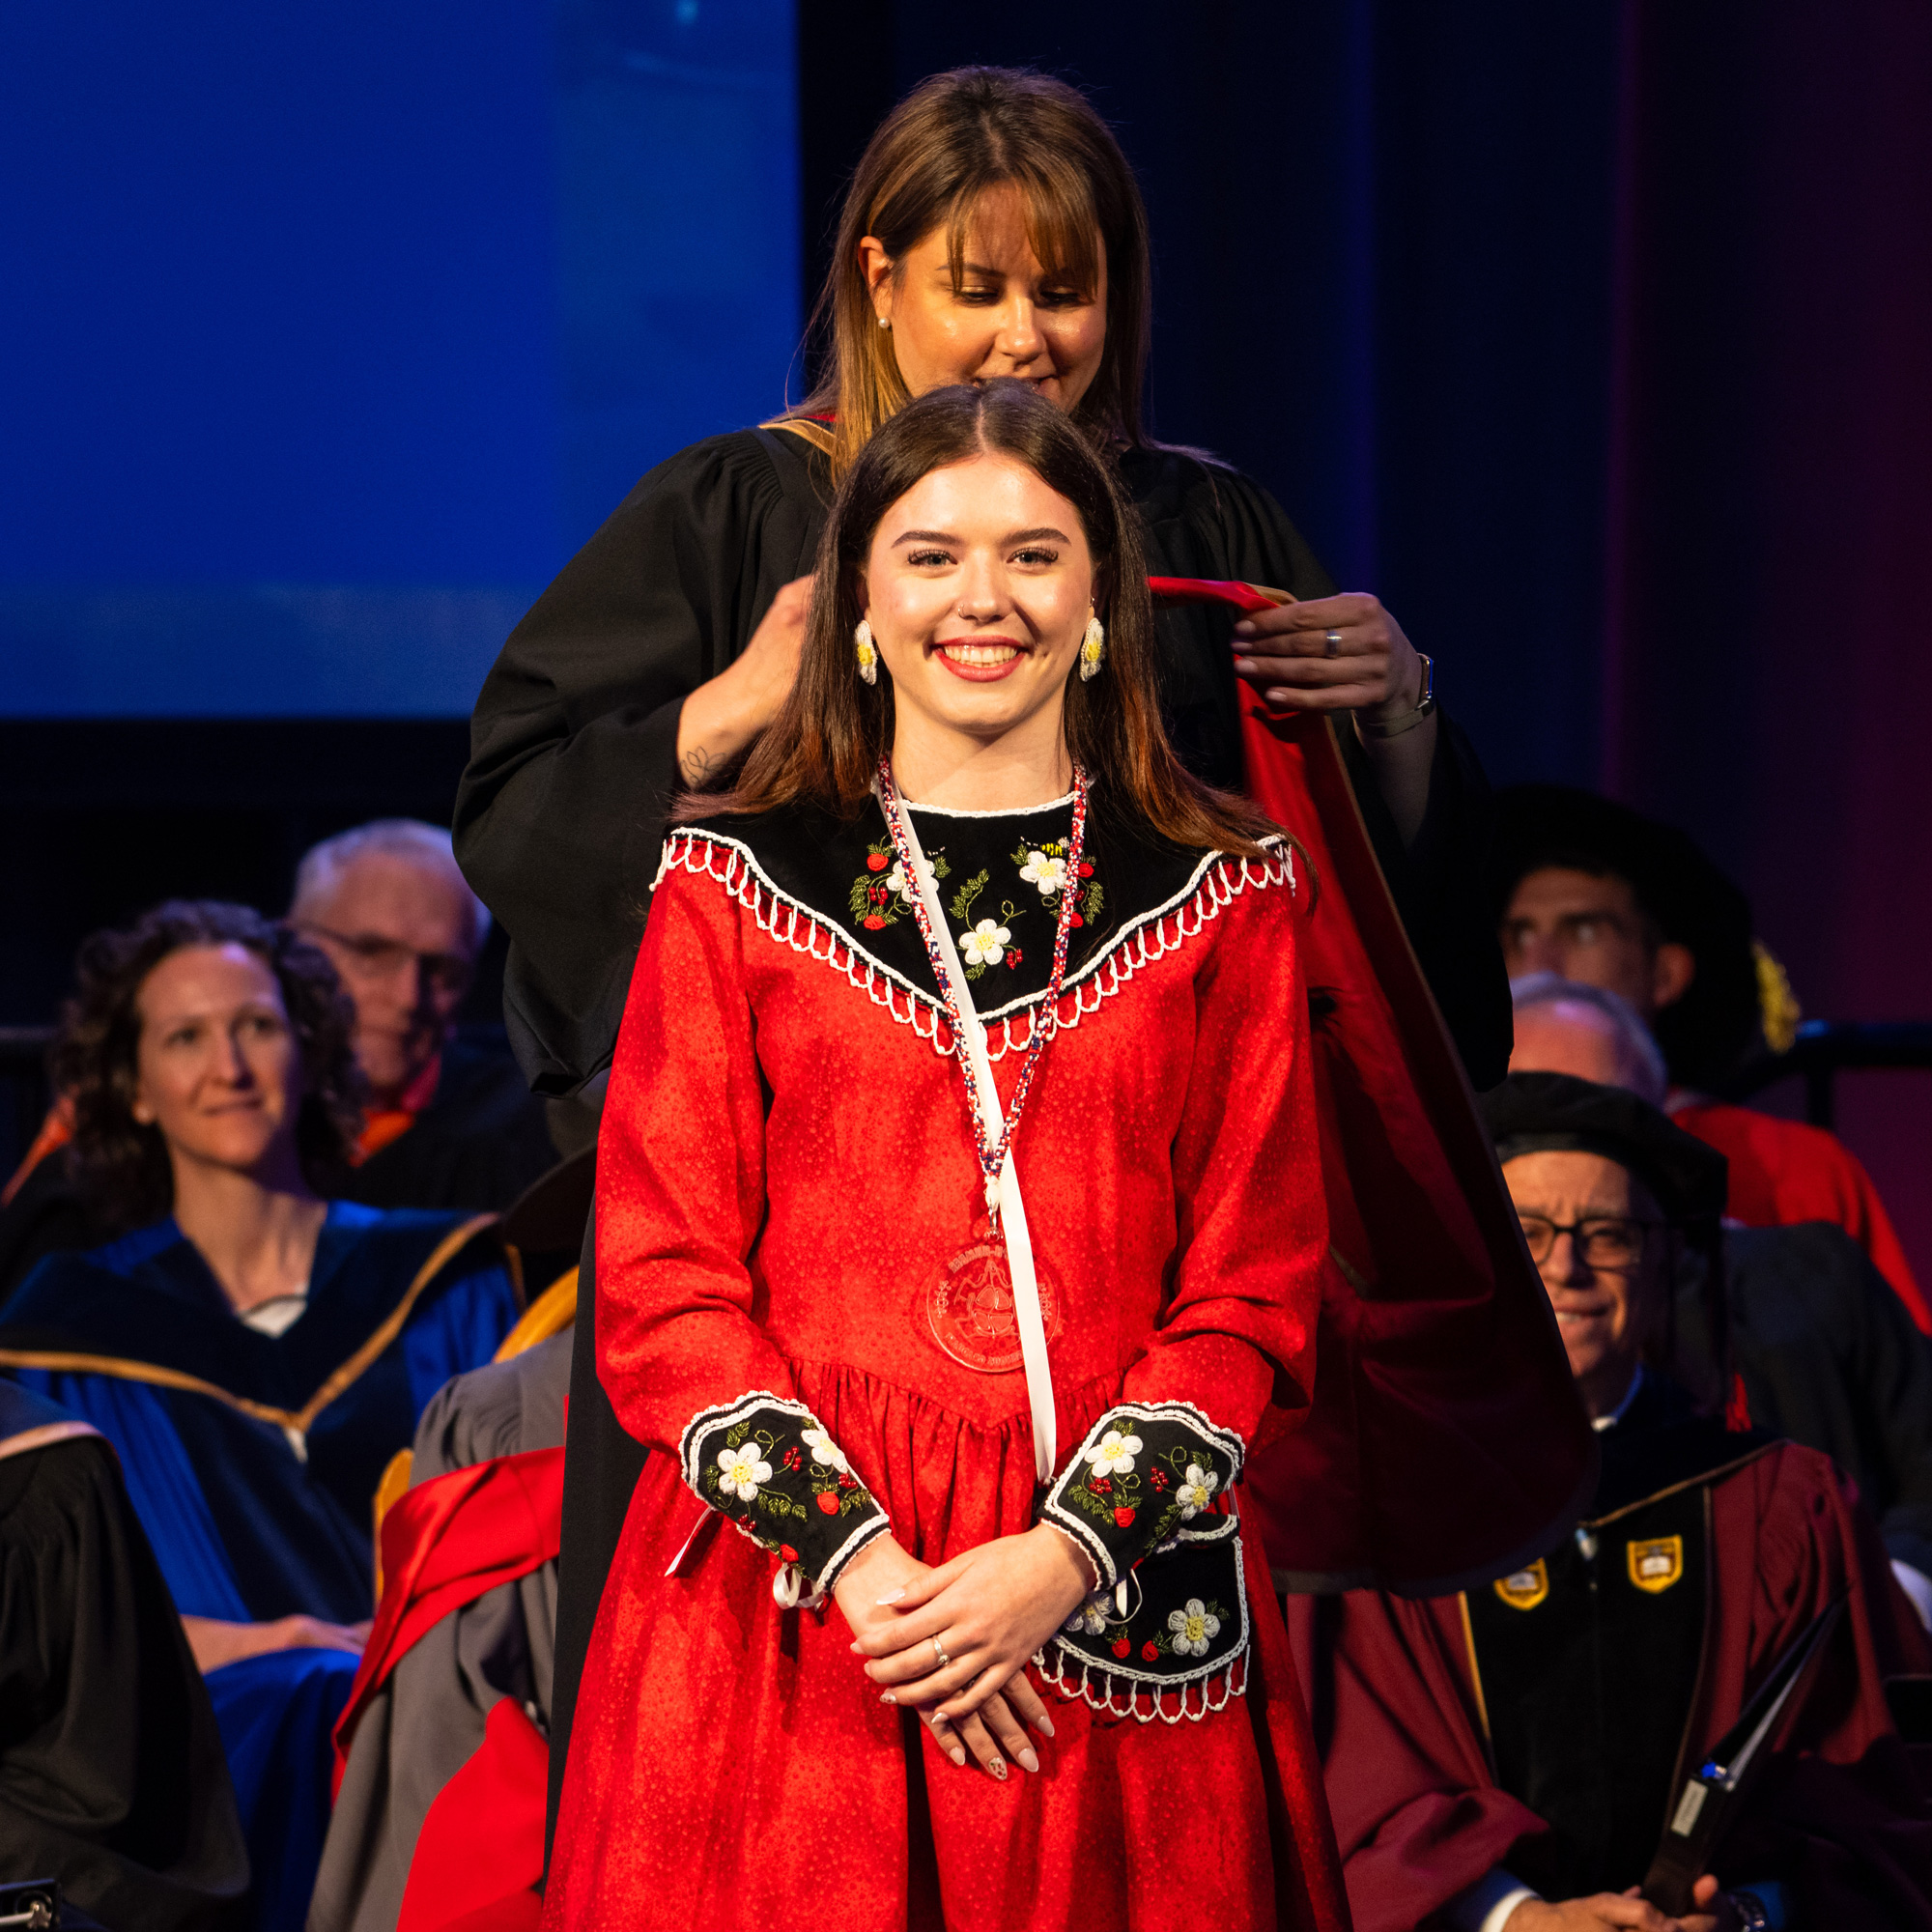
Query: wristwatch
[{"x": 1394, "y": 728}]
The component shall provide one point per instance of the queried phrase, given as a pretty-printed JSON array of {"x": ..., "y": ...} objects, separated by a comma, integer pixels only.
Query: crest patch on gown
[
  {"x": 1525, "y": 1589},
  {"x": 1656, "y": 1563}
]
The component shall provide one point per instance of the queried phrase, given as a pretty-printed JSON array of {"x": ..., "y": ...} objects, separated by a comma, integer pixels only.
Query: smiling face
[
  {"x": 1009, "y": 317},
  {"x": 978, "y": 587},
  {"x": 217, "y": 1068},
  {"x": 1603, "y": 1313}
]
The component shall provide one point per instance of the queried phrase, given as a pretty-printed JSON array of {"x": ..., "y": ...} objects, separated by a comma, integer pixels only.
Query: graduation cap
[
  {"x": 1533, "y": 1112},
  {"x": 1708, "y": 1032}
]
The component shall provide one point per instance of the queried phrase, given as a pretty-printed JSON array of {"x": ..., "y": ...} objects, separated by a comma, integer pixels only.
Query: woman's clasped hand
[{"x": 952, "y": 1643}]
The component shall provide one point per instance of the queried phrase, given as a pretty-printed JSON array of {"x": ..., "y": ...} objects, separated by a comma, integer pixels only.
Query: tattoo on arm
[{"x": 700, "y": 769}]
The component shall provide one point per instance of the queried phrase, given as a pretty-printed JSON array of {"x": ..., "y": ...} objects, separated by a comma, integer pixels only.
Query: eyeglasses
[
  {"x": 377, "y": 958},
  {"x": 1609, "y": 1241}
]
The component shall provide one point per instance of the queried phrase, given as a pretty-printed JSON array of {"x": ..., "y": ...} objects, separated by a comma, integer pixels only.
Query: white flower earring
[
  {"x": 1093, "y": 649},
  {"x": 868, "y": 652}
]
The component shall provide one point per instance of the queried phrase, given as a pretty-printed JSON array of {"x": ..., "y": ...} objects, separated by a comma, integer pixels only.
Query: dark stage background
[{"x": 1592, "y": 337}]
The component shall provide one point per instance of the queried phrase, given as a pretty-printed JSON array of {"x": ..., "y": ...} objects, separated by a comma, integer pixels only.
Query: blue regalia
[{"x": 252, "y": 1460}]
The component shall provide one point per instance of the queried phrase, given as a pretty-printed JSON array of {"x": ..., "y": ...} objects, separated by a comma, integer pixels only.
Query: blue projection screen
[{"x": 329, "y": 333}]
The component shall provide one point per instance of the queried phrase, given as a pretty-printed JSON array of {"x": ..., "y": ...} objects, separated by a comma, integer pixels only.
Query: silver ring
[
  {"x": 1331, "y": 643},
  {"x": 939, "y": 1653}
]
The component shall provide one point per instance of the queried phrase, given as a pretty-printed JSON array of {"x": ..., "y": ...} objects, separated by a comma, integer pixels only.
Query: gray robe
[{"x": 425, "y": 1722}]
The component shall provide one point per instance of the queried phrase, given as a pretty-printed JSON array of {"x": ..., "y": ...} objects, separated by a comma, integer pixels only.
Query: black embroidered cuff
[
  {"x": 1145, "y": 1470},
  {"x": 767, "y": 1465}
]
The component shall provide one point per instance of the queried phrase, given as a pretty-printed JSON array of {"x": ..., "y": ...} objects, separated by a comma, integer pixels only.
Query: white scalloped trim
[{"x": 1216, "y": 882}]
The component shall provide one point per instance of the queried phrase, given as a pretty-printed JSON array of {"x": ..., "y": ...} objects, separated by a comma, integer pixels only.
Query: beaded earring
[
  {"x": 1092, "y": 650},
  {"x": 868, "y": 652}
]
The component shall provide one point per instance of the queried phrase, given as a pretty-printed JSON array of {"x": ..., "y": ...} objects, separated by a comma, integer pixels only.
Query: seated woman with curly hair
[{"x": 255, "y": 1353}]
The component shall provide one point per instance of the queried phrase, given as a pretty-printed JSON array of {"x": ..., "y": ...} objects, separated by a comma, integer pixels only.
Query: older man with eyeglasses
[
  {"x": 450, "y": 1124},
  {"x": 1510, "y": 1758}
]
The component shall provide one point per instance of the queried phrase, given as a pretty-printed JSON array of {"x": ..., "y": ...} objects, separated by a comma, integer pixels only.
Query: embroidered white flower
[
  {"x": 985, "y": 945},
  {"x": 823, "y": 1449},
  {"x": 1092, "y": 1615},
  {"x": 1194, "y": 1627},
  {"x": 743, "y": 1468},
  {"x": 1048, "y": 874},
  {"x": 1197, "y": 1491},
  {"x": 896, "y": 881},
  {"x": 1115, "y": 1456}
]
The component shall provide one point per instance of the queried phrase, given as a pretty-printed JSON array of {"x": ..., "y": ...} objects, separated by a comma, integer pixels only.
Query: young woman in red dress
[{"x": 959, "y": 1237}]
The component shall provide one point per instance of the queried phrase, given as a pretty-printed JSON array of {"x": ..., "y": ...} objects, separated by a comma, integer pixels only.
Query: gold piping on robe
[
  {"x": 44, "y": 1437},
  {"x": 294, "y": 1423}
]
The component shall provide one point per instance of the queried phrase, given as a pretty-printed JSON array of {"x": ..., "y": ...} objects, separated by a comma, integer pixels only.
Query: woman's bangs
[{"x": 1063, "y": 227}]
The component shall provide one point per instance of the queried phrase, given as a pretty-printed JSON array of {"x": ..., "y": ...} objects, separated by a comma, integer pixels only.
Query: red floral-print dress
[{"x": 799, "y": 1307}]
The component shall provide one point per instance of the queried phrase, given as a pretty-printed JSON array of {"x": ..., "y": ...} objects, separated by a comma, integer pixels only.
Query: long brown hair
[
  {"x": 825, "y": 745},
  {"x": 121, "y": 1167},
  {"x": 944, "y": 146}
]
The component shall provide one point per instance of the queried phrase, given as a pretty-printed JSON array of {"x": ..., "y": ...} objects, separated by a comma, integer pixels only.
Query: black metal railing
[{"x": 1824, "y": 1049}]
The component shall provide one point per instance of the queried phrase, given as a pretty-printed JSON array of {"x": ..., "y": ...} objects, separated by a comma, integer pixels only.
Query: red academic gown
[
  {"x": 1841, "y": 1816},
  {"x": 787, "y": 1185},
  {"x": 1783, "y": 1172}
]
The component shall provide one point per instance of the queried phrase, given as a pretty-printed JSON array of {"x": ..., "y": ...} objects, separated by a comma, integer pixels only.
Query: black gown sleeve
[
  {"x": 1217, "y": 523},
  {"x": 112, "y": 1776},
  {"x": 560, "y": 815}
]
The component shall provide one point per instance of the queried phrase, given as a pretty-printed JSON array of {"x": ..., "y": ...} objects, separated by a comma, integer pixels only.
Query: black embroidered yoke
[{"x": 1000, "y": 877}]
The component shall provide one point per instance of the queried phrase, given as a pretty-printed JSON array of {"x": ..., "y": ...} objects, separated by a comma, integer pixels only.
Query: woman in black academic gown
[
  {"x": 254, "y": 1355},
  {"x": 992, "y": 229}
]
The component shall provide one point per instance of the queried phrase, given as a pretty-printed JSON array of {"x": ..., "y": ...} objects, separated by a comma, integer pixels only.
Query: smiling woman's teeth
[{"x": 979, "y": 654}]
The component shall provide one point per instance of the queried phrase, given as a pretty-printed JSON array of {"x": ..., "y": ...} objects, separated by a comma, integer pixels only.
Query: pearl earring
[
  {"x": 885, "y": 322},
  {"x": 868, "y": 652},
  {"x": 1092, "y": 650}
]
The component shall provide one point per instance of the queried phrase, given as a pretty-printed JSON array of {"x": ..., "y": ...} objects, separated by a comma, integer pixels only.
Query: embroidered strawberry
[
  {"x": 787, "y": 1553},
  {"x": 1149, "y": 1650},
  {"x": 872, "y": 922},
  {"x": 1123, "y": 1645},
  {"x": 1123, "y": 1516},
  {"x": 1076, "y": 920},
  {"x": 1086, "y": 871},
  {"x": 828, "y": 1503},
  {"x": 876, "y": 862}
]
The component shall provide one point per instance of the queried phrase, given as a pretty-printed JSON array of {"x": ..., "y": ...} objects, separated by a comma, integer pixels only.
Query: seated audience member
[
  {"x": 112, "y": 1781},
  {"x": 1822, "y": 1349},
  {"x": 255, "y": 1353},
  {"x": 421, "y": 1711},
  {"x": 1594, "y": 892},
  {"x": 448, "y": 1125},
  {"x": 1507, "y": 1758}
]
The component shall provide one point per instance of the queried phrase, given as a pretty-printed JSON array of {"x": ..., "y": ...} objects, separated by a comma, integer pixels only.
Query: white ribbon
[{"x": 1012, "y": 1209}]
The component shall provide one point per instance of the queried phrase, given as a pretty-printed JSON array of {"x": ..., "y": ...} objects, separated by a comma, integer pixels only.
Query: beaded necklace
[{"x": 991, "y": 1150}]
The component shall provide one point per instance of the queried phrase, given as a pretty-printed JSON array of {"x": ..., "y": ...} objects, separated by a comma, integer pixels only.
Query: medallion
[{"x": 970, "y": 1307}]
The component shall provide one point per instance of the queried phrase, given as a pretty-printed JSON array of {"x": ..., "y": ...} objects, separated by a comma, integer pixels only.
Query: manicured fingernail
[
  {"x": 1245, "y": 629},
  {"x": 887, "y": 1698},
  {"x": 1244, "y": 666},
  {"x": 1024, "y": 1758},
  {"x": 886, "y": 1603},
  {"x": 998, "y": 1770},
  {"x": 958, "y": 1756},
  {"x": 1043, "y": 1724}
]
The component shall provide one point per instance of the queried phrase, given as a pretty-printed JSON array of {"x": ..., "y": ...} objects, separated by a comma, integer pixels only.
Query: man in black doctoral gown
[{"x": 112, "y": 1776}]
